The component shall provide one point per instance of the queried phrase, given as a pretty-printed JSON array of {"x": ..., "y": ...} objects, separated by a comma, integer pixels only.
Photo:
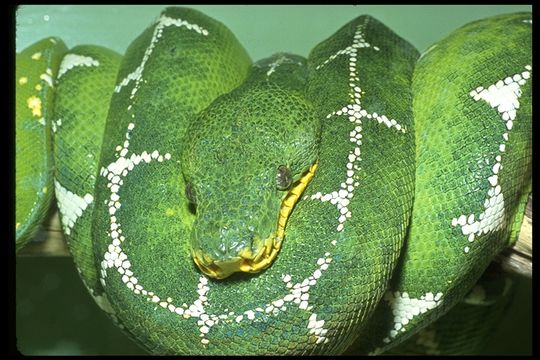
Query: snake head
[{"x": 246, "y": 160}]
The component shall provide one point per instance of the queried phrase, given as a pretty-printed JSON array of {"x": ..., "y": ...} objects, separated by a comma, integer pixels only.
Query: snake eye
[
  {"x": 283, "y": 178},
  {"x": 190, "y": 193}
]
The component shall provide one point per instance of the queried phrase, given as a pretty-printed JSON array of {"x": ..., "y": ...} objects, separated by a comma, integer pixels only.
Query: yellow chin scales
[
  {"x": 291, "y": 199},
  {"x": 247, "y": 261}
]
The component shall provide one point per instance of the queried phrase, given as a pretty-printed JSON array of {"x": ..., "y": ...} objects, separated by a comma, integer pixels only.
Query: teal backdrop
[{"x": 54, "y": 313}]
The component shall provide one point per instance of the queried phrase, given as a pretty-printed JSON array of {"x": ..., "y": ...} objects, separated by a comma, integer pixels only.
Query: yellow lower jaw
[
  {"x": 247, "y": 261},
  {"x": 291, "y": 199}
]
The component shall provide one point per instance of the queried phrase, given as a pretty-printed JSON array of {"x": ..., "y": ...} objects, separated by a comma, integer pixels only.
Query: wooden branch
[
  {"x": 518, "y": 258},
  {"x": 50, "y": 241}
]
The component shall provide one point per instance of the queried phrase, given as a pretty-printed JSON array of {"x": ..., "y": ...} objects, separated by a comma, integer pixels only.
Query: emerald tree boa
[{"x": 292, "y": 205}]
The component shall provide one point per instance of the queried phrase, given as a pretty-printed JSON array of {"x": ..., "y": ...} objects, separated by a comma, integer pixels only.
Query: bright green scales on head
[{"x": 246, "y": 160}]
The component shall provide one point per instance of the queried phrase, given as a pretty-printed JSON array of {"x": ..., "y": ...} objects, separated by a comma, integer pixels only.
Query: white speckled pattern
[
  {"x": 504, "y": 96},
  {"x": 71, "y": 205},
  {"x": 73, "y": 60}
]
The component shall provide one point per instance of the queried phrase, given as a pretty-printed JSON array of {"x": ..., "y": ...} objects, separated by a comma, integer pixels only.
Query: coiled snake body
[{"x": 215, "y": 206}]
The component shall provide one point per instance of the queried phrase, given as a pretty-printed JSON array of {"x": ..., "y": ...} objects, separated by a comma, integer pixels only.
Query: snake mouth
[{"x": 253, "y": 262}]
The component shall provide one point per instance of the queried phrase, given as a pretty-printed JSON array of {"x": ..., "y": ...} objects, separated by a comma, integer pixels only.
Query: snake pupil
[
  {"x": 190, "y": 194},
  {"x": 284, "y": 178}
]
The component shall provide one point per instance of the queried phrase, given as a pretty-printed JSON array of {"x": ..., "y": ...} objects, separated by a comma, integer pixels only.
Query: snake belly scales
[{"x": 213, "y": 205}]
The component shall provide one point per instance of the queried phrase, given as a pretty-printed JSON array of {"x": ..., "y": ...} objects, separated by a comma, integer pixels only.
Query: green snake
[{"x": 214, "y": 205}]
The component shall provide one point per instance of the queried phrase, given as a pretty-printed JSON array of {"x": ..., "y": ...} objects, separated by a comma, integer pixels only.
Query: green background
[{"x": 54, "y": 313}]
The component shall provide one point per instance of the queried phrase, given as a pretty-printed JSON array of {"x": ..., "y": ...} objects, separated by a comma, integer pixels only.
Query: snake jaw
[{"x": 247, "y": 261}]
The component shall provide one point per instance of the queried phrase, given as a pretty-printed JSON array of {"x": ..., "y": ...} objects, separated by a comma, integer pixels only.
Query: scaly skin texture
[
  {"x": 468, "y": 326},
  {"x": 376, "y": 247},
  {"x": 461, "y": 135},
  {"x": 36, "y": 70},
  {"x": 84, "y": 87},
  {"x": 183, "y": 68},
  {"x": 357, "y": 206},
  {"x": 262, "y": 127}
]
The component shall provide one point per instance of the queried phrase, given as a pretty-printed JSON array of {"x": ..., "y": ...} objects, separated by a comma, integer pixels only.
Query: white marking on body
[
  {"x": 316, "y": 328},
  {"x": 47, "y": 78},
  {"x": 296, "y": 294},
  {"x": 355, "y": 113},
  {"x": 71, "y": 205},
  {"x": 73, "y": 60},
  {"x": 56, "y": 125},
  {"x": 115, "y": 257},
  {"x": 162, "y": 23},
  {"x": 504, "y": 96},
  {"x": 283, "y": 59},
  {"x": 404, "y": 309}
]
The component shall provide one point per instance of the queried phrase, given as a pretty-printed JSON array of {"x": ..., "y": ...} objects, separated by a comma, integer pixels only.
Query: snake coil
[{"x": 358, "y": 194}]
